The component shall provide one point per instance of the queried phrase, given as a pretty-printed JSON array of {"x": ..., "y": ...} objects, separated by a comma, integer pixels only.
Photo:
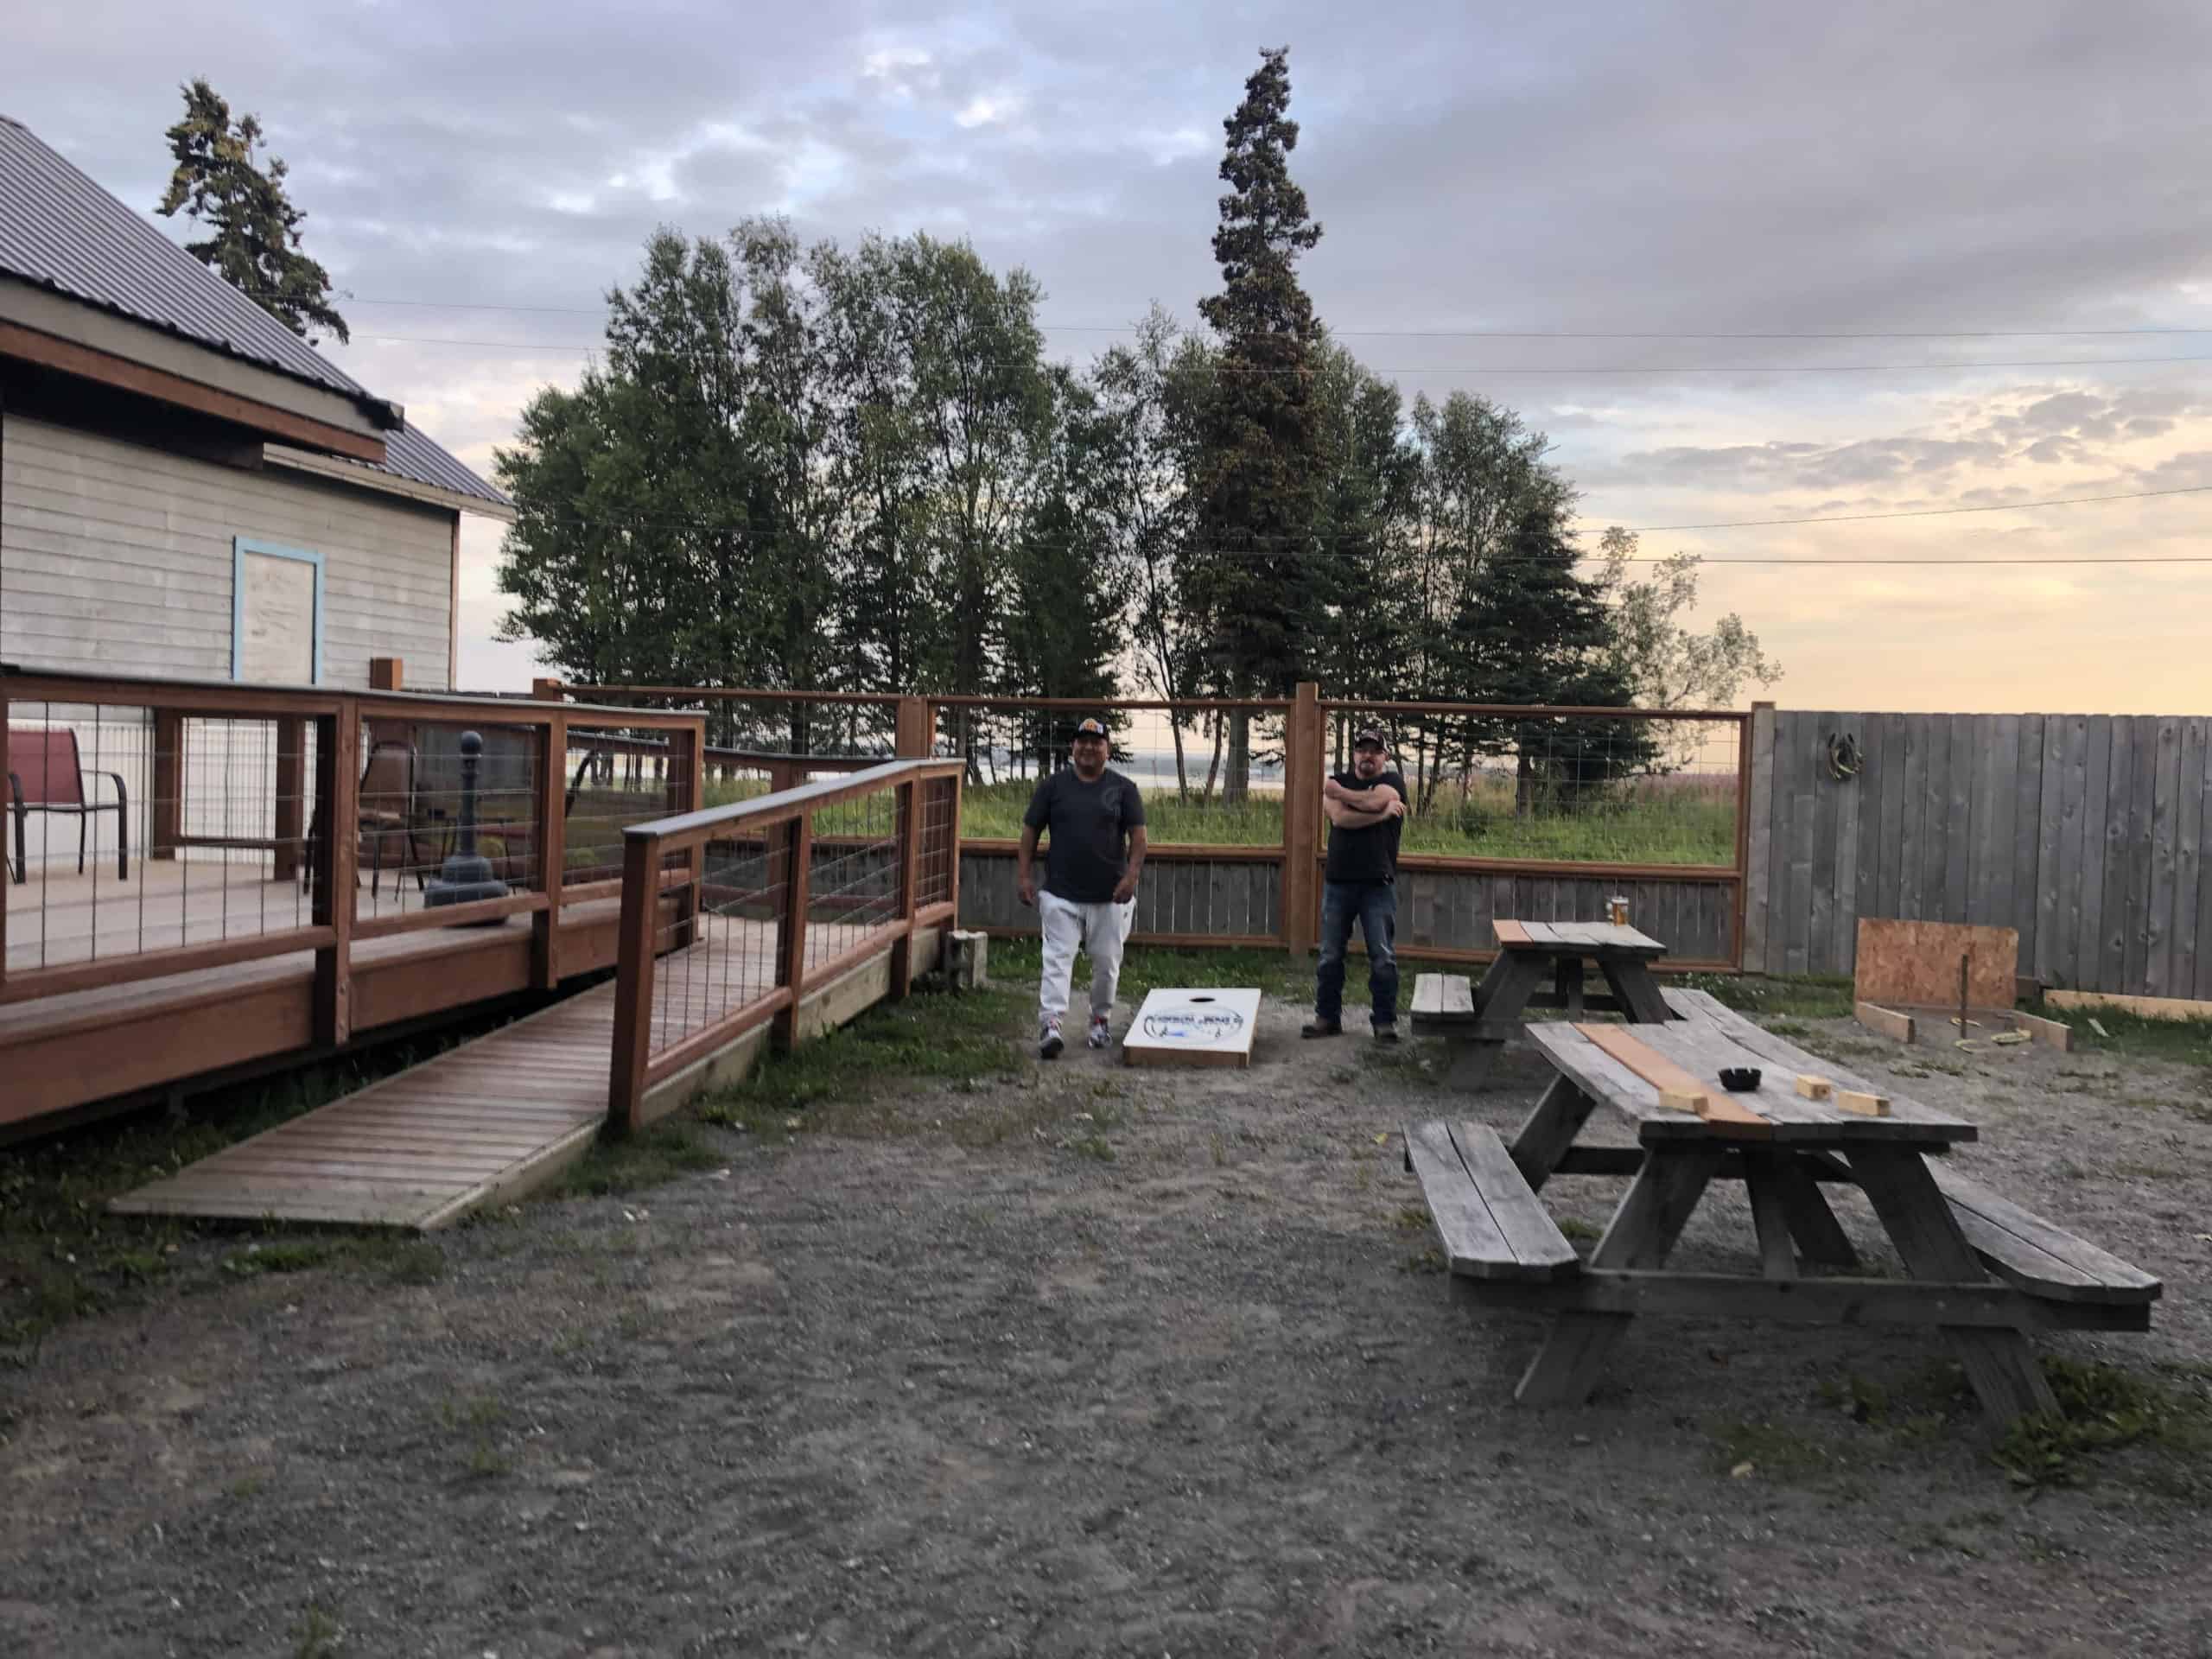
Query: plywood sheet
[
  {"x": 1193, "y": 1028},
  {"x": 1917, "y": 963}
]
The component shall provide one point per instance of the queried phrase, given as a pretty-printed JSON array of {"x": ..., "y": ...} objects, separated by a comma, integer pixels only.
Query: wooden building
[{"x": 187, "y": 488}]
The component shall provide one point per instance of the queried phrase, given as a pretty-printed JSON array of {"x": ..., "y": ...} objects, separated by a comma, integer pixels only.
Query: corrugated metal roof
[{"x": 59, "y": 230}]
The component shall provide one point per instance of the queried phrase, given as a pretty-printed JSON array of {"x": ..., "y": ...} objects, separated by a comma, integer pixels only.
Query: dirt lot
[{"x": 1079, "y": 1359}]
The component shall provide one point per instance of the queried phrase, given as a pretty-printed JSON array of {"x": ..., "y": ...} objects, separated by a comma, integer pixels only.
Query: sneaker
[
  {"x": 1101, "y": 1033},
  {"x": 1386, "y": 1033},
  {"x": 1321, "y": 1028},
  {"x": 1048, "y": 1043}
]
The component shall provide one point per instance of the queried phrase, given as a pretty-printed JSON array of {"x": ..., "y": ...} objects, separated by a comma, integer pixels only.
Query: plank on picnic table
[{"x": 1703, "y": 1048}]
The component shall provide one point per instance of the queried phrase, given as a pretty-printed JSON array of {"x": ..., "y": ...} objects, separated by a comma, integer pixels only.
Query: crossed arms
[{"x": 1355, "y": 809}]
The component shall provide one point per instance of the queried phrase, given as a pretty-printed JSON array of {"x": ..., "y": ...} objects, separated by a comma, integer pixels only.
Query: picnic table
[
  {"x": 1478, "y": 1020},
  {"x": 1982, "y": 1270}
]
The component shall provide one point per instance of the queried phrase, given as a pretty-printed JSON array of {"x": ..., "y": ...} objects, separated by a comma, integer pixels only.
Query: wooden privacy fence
[
  {"x": 2088, "y": 832},
  {"x": 1263, "y": 888},
  {"x": 735, "y": 916}
]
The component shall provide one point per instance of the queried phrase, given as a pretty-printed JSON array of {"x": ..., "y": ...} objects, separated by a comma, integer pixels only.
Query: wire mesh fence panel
[
  {"x": 129, "y": 830},
  {"x": 938, "y": 814},
  {"x": 717, "y": 935},
  {"x": 723, "y": 926},
  {"x": 1564, "y": 788},
  {"x": 853, "y": 875},
  {"x": 616, "y": 776},
  {"x": 446, "y": 812},
  {"x": 1210, "y": 775}
]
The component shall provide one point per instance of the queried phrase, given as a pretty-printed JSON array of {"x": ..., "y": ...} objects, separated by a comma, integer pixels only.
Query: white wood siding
[{"x": 115, "y": 556}]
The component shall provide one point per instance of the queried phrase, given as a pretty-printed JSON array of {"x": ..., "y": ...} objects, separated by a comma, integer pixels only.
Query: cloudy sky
[{"x": 1742, "y": 261}]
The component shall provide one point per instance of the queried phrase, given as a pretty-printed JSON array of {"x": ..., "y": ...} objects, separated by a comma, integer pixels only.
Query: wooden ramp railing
[{"x": 734, "y": 917}]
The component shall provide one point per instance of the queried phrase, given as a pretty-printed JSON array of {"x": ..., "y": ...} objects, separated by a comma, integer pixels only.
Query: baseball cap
[
  {"x": 1369, "y": 737},
  {"x": 1092, "y": 727}
]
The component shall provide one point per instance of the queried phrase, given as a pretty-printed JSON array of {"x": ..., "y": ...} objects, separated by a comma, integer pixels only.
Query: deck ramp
[{"x": 479, "y": 1124}]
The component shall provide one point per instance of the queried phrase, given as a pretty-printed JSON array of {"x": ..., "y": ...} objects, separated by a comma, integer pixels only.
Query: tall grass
[{"x": 1680, "y": 820}]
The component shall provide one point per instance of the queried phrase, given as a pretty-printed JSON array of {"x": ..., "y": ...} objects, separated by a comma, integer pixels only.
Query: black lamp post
[{"x": 467, "y": 875}]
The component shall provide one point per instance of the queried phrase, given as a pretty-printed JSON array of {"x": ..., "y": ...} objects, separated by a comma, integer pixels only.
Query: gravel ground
[{"x": 1175, "y": 1377}]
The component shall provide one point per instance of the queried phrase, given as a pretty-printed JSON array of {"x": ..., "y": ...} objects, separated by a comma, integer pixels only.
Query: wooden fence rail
[
  {"x": 1202, "y": 894},
  {"x": 732, "y": 915}
]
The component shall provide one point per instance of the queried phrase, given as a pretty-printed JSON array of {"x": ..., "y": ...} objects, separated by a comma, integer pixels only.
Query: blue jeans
[{"x": 1376, "y": 906}]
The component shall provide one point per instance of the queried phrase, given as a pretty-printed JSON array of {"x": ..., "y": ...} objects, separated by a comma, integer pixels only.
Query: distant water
[{"x": 1154, "y": 769}]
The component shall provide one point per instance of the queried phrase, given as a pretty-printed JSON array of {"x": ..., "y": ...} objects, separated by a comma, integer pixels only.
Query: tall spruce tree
[
  {"x": 1251, "y": 575},
  {"x": 254, "y": 240}
]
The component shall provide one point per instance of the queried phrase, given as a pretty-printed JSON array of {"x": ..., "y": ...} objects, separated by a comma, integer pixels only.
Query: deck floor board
[{"x": 480, "y": 1123}]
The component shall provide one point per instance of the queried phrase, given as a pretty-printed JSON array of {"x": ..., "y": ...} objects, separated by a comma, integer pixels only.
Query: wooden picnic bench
[
  {"x": 1478, "y": 1019},
  {"x": 1981, "y": 1269}
]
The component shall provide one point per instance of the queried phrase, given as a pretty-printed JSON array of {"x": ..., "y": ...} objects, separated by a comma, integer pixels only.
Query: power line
[
  {"x": 1473, "y": 368},
  {"x": 647, "y": 521},
  {"x": 1924, "y": 513},
  {"x": 1455, "y": 333}
]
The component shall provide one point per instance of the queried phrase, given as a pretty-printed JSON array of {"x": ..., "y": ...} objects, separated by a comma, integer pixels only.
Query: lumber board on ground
[{"x": 2147, "y": 1007}]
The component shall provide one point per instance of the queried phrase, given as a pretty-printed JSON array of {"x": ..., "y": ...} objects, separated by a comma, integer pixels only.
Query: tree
[
  {"x": 1668, "y": 666},
  {"x": 645, "y": 545},
  {"x": 254, "y": 243},
  {"x": 1534, "y": 631},
  {"x": 1064, "y": 591},
  {"x": 1480, "y": 479},
  {"x": 1251, "y": 575},
  {"x": 1363, "y": 497},
  {"x": 1138, "y": 467}
]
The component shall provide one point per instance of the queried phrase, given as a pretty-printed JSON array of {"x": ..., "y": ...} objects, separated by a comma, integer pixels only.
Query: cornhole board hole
[
  {"x": 1905, "y": 985},
  {"x": 1193, "y": 1028}
]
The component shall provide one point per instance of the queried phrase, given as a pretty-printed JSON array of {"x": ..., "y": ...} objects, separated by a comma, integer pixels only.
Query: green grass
[
  {"x": 962, "y": 1039},
  {"x": 626, "y": 1163},
  {"x": 2102, "y": 1407},
  {"x": 62, "y": 1255},
  {"x": 2182, "y": 1042},
  {"x": 1801, "y": 997},
  {"x": 1647, "y": 821}
]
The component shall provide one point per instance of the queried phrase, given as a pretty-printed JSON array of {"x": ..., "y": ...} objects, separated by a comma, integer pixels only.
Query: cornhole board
[{"x": 1193, "y": 1028}]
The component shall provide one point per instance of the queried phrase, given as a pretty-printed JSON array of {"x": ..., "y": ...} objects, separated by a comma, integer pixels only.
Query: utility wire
[
  {"x": 1449, "y": 333},
  {"x": 633, "y": 521},
  {"x": 1470, "y": 368}
]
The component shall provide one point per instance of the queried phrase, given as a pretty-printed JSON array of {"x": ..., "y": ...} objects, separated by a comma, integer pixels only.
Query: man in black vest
[{"x": 1366, "y": 809}]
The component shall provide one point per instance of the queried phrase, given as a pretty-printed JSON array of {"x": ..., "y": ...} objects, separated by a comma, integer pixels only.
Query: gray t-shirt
[{"x": 1086, "y": 828}]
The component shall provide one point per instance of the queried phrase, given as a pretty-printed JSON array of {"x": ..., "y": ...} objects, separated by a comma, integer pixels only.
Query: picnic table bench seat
[
  {"x": 1486, "y": 1213},
  {"x": 2036, "y": 1256},
  {"x": 2039, "y": 1257}
]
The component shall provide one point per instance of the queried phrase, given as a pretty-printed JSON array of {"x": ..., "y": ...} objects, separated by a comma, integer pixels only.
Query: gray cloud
[{"x": 1725, "y": 165}]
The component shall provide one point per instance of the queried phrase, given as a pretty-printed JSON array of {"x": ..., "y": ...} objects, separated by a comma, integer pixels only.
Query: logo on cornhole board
[{"x": 1194, "y": 1027}]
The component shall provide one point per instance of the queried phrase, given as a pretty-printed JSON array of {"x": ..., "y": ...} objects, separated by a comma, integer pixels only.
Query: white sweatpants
[{"x": 1101, "y": 930}]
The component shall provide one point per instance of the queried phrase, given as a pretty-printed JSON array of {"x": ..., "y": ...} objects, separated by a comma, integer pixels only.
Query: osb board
[
  {"x": 1917, "y": 963},
  {"x": 1193, "y": 1028}
]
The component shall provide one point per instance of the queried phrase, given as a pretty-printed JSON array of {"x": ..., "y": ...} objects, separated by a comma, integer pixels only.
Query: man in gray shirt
[{"x": 1092, "y": 819}]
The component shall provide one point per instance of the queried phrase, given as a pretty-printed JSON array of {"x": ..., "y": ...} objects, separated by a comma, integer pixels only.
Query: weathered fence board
[
  {"x": 1448, "y": 912},
  {"x": 2086, "y": 833}
]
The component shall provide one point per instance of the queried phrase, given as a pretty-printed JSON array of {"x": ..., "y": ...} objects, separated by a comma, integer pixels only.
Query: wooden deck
[
  {"x": 59, "y": 916},
  {"x": 77, "y": 1047},
  {"x": 479, "y": 1125}
]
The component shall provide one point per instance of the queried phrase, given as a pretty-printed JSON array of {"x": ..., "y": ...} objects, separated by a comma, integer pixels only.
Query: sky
[{"x": 1739, "y": 261}]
